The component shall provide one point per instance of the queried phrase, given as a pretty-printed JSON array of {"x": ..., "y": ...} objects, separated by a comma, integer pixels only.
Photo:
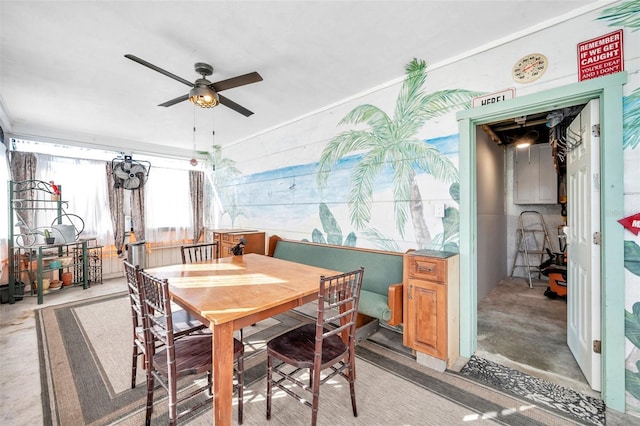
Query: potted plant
[{"x": 48, "y": 238}]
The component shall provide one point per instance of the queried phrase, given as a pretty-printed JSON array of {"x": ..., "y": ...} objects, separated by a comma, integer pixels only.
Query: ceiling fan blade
[
  {"x": 158, "y": 69},
  {"x": 241, "y": 80},
  {"x": 234, "y": 106},
  {"x": 175, "y": 101}
]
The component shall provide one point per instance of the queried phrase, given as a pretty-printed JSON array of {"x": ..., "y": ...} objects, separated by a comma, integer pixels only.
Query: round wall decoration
[{"x": 529, "y": 68}]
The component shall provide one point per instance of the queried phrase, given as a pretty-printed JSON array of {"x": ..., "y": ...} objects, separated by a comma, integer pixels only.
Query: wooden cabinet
[
  {"x": 431, "y": 299},
  {"x": 535, "y": 177},
  {"x": 227, "y": 238}
]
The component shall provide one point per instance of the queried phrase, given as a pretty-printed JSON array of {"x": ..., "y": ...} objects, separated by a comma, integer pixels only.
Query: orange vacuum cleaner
[{"x": 556, "y": 269}]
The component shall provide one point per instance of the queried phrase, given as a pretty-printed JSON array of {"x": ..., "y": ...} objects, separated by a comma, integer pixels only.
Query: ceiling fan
[{"x": 205, "y": 93}]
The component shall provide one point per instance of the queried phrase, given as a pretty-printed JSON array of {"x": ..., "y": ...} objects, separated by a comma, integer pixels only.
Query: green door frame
[{"x": 609, "y": 90}]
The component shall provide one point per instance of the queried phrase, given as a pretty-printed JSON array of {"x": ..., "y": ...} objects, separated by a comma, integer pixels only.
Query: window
[
  {"x": 82, "y": 174},
  {"x": 167, "y": 205},
  {"x": 84, "y": 186}
]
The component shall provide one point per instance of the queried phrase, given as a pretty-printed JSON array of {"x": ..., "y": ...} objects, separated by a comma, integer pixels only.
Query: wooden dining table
[{"x": 234, "y": 292}]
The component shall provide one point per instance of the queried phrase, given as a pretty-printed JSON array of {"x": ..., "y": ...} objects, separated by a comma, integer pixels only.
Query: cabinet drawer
[
  {"x": 427, "y": 268},
  {"x": 236, "y": 237}
]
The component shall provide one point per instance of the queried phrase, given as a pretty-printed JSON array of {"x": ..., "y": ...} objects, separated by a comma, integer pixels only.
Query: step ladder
[{"x": 533, "y": 242}]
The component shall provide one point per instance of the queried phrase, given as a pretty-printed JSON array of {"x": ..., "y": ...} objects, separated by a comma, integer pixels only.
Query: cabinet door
[
  {"x": 255, "y": 242},
  {"x": 547, "y": 176},
  {"x": 522, "y": 176},
  {"x": 225, "y": 250},
  {"x": 535, "y": 177},
  {"x": 426, "y": 328}
]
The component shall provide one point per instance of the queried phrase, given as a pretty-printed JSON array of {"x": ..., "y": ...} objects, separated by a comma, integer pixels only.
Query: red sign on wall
[
  {"x": 632, "y": 223},
  {"x": 600, "y": 56}
]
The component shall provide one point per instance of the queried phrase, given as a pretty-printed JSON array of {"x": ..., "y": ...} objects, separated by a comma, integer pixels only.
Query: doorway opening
[
  {"x": 522, "y": 252},
  {"x": 609, "y": 91}
]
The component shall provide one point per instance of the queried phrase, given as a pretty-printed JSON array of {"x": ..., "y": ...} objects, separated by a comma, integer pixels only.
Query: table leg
[{"x": 222, "y": 373}]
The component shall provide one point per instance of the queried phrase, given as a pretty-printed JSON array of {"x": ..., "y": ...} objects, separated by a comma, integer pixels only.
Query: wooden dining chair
[
  {"x": 320, "y": 346},
  {"x": 183, "y": 323},
  {"x": 208, "y": 251},
  {"x": 189, "y": 355},
  {"x": 200, "y": 252},
  {"x": 131, "y": 272}
]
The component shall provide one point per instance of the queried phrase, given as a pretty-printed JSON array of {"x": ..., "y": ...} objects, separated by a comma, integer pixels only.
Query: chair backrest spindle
[
  {"x": 200, "y": 252},
  {"x": 338, "y": 301},
  {"x": 157, "y": 309},
  {"x": 131, "y": 273}
]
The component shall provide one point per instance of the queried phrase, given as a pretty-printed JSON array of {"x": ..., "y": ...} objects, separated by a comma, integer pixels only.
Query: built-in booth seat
[{"x": 381, "y": 295}]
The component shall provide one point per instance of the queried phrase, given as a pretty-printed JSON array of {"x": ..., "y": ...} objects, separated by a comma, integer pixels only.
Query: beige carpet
[{"x": 85, "y": 361}]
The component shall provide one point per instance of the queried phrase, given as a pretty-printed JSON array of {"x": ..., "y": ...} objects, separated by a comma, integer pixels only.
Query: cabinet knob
[
  {"x": 425, "y": 268},
  {"x": 410, "y": 296}
]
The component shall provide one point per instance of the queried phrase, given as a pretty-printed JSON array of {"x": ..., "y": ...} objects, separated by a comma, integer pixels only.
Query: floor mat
[{"x": 590, "y": 410}]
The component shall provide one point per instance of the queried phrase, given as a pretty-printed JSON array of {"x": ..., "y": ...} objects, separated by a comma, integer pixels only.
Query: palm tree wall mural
[
  {"x": 627, "y": 15},
  {"x": 392, "y": 141},
  {"x": 222, "y": 172},
  {"x": 333, "y": 230}
]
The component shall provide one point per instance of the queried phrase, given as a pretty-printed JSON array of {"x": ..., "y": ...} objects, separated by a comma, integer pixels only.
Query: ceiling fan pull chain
[{"x": 194, "y": 160}]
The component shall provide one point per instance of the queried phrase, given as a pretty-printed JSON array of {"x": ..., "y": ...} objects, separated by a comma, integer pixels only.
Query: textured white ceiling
[{"x": 63, "y": 73}]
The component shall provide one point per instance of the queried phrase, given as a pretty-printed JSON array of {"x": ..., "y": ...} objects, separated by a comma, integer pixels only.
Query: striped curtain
[
  {"x": 23, "y": 167},
  {"x": 137, "y": 212},
  {"x": 116, "y": 207},
  {"x": 196, "y": 190}
]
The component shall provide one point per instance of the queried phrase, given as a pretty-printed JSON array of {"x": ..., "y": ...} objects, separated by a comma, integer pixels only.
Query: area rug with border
[{"x": 85, "y": 362}]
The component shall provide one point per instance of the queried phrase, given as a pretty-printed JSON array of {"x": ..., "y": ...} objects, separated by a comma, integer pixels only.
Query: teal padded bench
[{"x": 381, "y": 294}]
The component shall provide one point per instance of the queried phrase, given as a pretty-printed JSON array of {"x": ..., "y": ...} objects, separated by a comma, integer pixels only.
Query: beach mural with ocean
[
  {"x": 369, "y": 185},
  {"x": 290, "y": 195}
]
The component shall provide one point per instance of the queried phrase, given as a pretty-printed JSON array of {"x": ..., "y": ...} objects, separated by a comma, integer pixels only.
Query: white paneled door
[{"x": 583, "y": 269}]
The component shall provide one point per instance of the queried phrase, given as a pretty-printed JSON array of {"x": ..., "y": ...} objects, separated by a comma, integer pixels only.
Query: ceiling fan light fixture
[{"x": 204, "y": 97}]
